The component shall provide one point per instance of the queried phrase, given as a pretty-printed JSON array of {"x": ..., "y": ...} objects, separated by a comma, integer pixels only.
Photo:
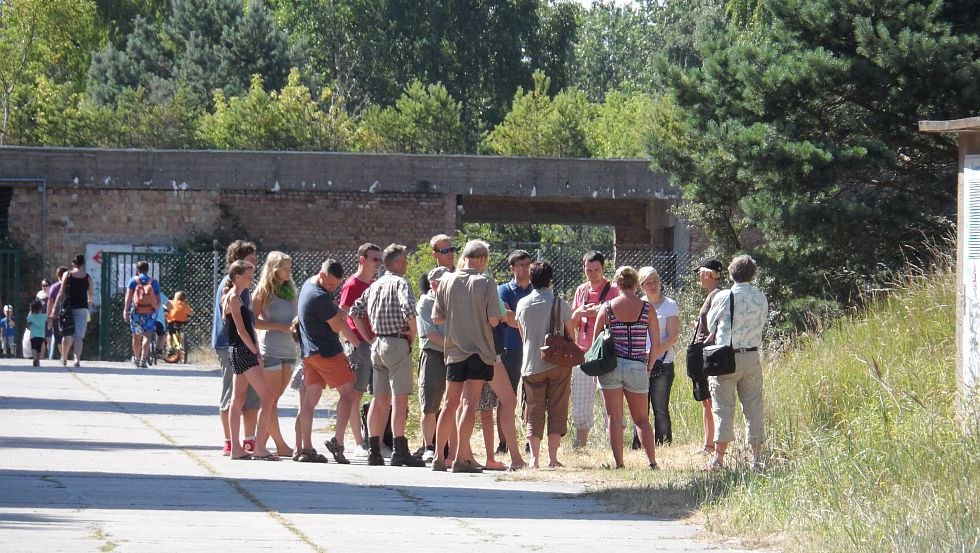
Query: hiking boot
[
  {"x": 501, "y": 447},
  {"x": 419, "y": 452},
  {"x": 401, "y": 457},
  {"x": 337, "y": 450},
  {"x": 374, "y": 457}
]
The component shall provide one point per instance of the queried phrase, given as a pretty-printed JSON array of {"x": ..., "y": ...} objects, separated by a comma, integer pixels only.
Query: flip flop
[
  {"x": 494, "y": 465},
  {"x": 269, "y": 457},
  {"x": 244, "y": 457}
]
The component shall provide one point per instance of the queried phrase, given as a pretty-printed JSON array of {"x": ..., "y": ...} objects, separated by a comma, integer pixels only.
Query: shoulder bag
[
  {"x": 601, "y": 357},
  {"x": 558, "y": 348},
  {"x": 719, "y": 360}
]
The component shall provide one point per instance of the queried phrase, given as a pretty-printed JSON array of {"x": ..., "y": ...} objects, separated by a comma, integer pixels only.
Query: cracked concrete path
[{"x": 111, "y": 458}]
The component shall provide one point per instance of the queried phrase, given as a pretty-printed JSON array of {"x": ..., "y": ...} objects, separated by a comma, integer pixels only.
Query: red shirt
[
  {"x": 351, "y": 291},
  {"x": 584, "y": 295}
]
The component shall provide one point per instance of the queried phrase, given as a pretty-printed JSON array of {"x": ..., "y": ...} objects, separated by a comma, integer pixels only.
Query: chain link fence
[{"x": 198, "y": 275}]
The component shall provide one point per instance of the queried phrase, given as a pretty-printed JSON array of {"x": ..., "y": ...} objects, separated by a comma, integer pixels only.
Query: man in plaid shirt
[{"x": 389, "y": 306}]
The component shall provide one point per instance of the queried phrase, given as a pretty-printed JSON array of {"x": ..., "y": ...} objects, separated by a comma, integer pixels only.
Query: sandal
[
  {"x": 494, "y": 465},
  {"x": 242, "y": 457},
  {"x": 517, "y": 467},
  {"x": 305, "y": 456},
  {"x": 269, "y": 457}
]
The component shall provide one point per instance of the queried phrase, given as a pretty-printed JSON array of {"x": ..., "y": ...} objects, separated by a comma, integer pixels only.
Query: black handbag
[
  {"x": 720, "y": 360},
  {"x": 66, "y": 320},
  {"x": 695, "y": 357}
]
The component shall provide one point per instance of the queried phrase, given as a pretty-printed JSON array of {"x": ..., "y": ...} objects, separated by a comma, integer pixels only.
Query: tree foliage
[
  {"x": 288, "y": 119},
  {"x": 802, "y": 143},
  {"x": 424, "y": 120},
  {"x": 542, "y": 125},
  {"x": 200, "y": 46},
  {"x": 41, "y": 39}
]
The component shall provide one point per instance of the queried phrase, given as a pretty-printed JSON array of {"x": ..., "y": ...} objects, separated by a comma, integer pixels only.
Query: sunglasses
[{"x": 450, "y": 249}]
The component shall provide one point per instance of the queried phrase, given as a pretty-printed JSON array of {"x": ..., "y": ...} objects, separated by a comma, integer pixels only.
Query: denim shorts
[
  {"x": 629, "y": 374},
  {"x": 275, "y": 363}
]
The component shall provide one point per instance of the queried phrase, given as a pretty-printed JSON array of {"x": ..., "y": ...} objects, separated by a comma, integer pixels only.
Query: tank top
[
  {"x": 233, "y": 338},
  {"x": 630, "y": 338},
  {"x": 276, "y": 343},
  {"x": 78, "y": 292}
]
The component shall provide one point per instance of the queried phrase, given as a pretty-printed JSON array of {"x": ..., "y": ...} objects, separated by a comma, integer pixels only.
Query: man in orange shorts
[{"x": 321, "y": 323}]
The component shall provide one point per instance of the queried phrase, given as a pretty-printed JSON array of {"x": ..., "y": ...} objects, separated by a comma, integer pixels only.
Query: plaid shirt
[{"x": 388, "y": 304}]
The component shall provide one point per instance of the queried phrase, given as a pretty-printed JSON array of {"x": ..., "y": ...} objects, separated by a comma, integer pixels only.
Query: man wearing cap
[
  {"x": 321, "y": 323},
  {"x": 432, "y": 364},
  {"x": 589, "y": 297},
  {"x": 389, "y": 306},
  {"x": 468, "y": 304}
]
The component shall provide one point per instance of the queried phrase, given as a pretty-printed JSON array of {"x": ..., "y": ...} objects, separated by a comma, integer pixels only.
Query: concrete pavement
[{"x": 111, "y": 458}]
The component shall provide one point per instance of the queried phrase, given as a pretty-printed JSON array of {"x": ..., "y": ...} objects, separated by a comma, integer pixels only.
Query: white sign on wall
[
  {"x": 970, "y": 345},
  {"x": 94, "y": 254}
]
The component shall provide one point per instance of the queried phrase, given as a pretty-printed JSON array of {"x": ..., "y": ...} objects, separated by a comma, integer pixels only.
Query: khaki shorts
[
  {"x": 392, "y": 360},
  {"x": 432, "y": 380},
  {"x": 331, "y": 371}
]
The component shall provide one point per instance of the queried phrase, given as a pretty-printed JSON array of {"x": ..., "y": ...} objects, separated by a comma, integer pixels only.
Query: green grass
[{"x": 867, "y": 452}]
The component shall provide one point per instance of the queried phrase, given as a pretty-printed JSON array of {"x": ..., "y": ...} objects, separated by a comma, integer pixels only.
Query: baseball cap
[
  {"x": 437, "y": 273},
  {"x": 712, "y": 264}
]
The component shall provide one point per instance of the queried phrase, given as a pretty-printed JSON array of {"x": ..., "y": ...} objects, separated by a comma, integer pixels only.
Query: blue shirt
[
  {"x": 8, "y": 326},
  {"x": 143, "y": 279},
  {"x": 219, "y": 335},
  {"x": 316, "y": 306},
  {"x": 510, "y": 293},
  {"x": 751, "y": 313}
]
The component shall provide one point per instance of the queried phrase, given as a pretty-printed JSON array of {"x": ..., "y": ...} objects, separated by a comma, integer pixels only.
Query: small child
[
  {"x": 177, "y": 313},
  {"x": 36, "y": 323},
  {"x": 9, "y": 328}
]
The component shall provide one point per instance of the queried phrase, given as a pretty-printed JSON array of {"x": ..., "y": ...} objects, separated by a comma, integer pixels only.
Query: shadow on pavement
[
  {"x": 21, "y": 442},
  {"x": 129, "y": 370},
  {"x": 92, "y": 490},
  {"x": 129, "y": 407}
]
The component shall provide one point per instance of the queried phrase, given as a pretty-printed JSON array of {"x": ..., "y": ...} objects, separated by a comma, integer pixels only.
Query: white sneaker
[
  {"x": 428, "y": 456},
  {"x": 359, "y": 451},
  {"x": 386, "y": 451}
]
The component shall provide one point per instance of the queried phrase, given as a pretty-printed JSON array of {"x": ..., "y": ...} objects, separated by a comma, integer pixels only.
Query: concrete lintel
[
  {"x": 337, "y": 172},
  {"x": 956, "y": 125}
]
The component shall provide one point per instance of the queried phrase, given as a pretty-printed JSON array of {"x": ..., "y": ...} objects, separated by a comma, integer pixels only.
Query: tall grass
[{"x": 867, "y": 452}]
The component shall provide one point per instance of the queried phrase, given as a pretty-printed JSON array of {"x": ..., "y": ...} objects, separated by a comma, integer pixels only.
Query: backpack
[{"x": 144, "y": 299}]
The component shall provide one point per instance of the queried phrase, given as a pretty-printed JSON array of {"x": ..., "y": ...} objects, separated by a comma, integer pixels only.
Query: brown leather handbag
[{"x": 558, "y": 348}]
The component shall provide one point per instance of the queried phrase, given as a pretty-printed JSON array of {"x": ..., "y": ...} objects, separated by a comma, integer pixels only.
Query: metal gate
[
  {"x": 10, "y": 288},
  {"x": 115, "y": 338}
]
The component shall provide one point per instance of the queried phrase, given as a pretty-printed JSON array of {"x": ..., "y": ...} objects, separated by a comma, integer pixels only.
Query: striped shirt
[{"x": 630, "y": 338}]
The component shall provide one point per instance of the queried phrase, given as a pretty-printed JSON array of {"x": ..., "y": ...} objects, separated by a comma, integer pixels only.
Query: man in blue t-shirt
[
  {"x": 321, "y": 323},
  {"x": 140, "y": 310},
  {"x": 510, "y": 293}
]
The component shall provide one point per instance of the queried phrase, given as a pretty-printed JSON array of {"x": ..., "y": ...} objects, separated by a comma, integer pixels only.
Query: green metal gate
[
  {"x": 10, "y": 288},
  {"x": 115, "y": 338}
]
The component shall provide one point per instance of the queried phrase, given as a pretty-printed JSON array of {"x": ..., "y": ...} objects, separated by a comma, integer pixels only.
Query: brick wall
[{"x": 288, "y": 220}]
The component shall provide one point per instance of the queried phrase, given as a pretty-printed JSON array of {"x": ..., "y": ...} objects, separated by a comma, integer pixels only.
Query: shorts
[
  {"x": 432, "y": 380},
  {"x": 158, "y": 326},
  {"x": 512, "y": 360},
  {"x": 275, "y": 363},
  {"x": 252, "y": 400},
  {"x": 392, "y": 359},
  {"x": 81, "y": 315},
  {"x": 471, "y": 368},
  {"x": 333, "y": 371},
  {"x": 297, "y": 381},
  {"x": 629, "y": 374},
  {"x": 242, "y": 359},
  {"x": 37, "y": 344},
  {"x": 360, "y": 362},
  {"x": 140, "y": 323}
]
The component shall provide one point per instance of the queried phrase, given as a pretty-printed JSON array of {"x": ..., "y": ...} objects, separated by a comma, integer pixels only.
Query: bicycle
[{"x": 176, "y": 349}]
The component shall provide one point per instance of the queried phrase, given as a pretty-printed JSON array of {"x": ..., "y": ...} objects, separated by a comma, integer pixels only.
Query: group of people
[
  {"x": 479, "y": 350},
  {"x": 58, "y": 315}
]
